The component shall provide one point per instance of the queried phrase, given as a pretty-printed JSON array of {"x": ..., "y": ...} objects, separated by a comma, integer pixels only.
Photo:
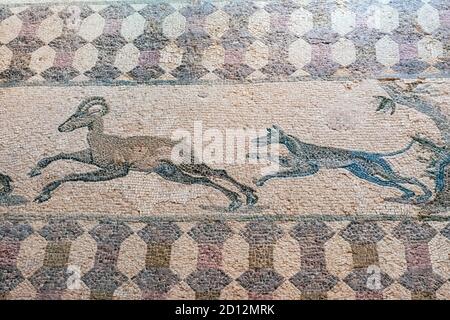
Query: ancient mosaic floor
[{"x": 95, "y": 96}]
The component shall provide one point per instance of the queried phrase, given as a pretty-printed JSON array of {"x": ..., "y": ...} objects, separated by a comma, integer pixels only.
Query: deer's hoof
[
  {"x": 234, "y": 205},
  {"x": 252, "y": 199},
  {"x": 42, "y": 198},
  {"x": 5, "y": 190},
  {"x": 34, "y": 172}
]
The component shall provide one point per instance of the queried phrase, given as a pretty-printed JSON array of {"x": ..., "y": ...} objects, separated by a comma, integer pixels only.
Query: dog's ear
[{"x": 277, "y": 128}]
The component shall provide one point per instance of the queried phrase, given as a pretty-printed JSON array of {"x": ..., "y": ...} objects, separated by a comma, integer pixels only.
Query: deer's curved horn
[{"x": 94, "y": 101}]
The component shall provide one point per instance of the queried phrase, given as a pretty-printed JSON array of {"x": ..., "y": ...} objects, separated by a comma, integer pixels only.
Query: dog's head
[{"x": 274, "y": 135}]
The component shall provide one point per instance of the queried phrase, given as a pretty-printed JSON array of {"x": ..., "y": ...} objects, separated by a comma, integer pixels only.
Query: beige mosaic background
[
  {"x": 313, "y": 67},
  {"x": 340, "y": 114}
]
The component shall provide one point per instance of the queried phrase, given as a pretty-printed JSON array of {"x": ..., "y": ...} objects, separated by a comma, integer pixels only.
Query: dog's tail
[
  {"x": 394, "y": 153},
  {"x": 428, "y": 144}
]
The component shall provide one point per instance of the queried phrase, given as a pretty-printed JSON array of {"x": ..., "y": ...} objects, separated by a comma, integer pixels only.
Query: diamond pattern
[
  {"x": 359, "y": 278},
  {"x": 10, "y": 277},
  {"x": 117, "y": 11},
  {"x": 314, "y": 281},
  {"x": 35, "y": 15},
  {"x": 71, "y": 42},
  {"x": 156, "y": 279},
  {"x": 25, "y": 44},
  {"x": 260, "y": 281},
  {"x": 4, "y": 13},
  {"x": 207, "y": 280}
]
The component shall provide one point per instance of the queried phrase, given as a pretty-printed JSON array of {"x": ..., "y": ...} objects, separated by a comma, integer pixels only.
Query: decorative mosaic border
[
  {"x": 309, "y": 259},
  {"x": 222, "y": 41},
  {"x": 223, "y": 256}
]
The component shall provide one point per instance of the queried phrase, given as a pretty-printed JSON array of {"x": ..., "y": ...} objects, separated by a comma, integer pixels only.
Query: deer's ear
[{"x": 96, "y": 109}]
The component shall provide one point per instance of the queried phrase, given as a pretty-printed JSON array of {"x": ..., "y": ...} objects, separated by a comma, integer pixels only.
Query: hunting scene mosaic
[{"x": 225, "y": 150}]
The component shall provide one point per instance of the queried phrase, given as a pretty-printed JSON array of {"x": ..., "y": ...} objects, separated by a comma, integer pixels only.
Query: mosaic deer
[
  {"x": 307, "y": 159},
  {"x": 117, "y": 156}
]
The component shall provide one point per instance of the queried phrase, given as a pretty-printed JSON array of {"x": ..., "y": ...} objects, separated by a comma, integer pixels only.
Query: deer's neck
[{"x": 95, "y": 131}]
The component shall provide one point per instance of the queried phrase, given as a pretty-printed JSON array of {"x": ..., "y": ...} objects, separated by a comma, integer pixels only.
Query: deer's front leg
[
  {"x": 94, "y": 176},
  {"x": 80, "y": 156}
]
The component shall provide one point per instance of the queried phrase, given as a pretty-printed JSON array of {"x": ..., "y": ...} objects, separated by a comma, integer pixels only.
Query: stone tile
[
  {"x": 42, "y": 59},
  {"x": 132, "y": 26},
  {"x": 92, "y": 27},
  {"x": 387, "y": 51},
  {"x": 344, "y": 52},
  {"x": 428, "y": 18}
]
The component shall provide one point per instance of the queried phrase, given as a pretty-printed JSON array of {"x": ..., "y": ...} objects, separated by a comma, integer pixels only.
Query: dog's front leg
[{"x": 292, "y": 173}]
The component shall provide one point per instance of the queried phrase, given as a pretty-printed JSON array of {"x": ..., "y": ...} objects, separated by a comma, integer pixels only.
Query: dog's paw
[
  {"x": 34, "y": 172},
  {"x": 402, "y": 200},
  {"x": 234, "y": 205},
  {"x": 259, "y": 182},
  {"x": 422, "y": 199},
  {"x": 42, "y": 198},
  {"x": 252, "y": 199}
]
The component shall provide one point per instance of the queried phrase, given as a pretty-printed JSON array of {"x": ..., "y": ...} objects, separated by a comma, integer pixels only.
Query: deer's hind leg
[
  {"x": 83, "y": 156},
  {"x": 204, "y": 170},
  {"x": 94, "y": 176},
  {"x": 172, "y": 172}
]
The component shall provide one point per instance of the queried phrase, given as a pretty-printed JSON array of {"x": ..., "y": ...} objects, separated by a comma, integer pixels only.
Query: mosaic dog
[
  {"x": 117, "y": 156},
  {"x": 439, "y": 161},
  {"x": 307, "y": 159}
]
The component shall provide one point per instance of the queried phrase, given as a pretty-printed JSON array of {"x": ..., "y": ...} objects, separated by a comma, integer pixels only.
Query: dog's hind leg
[
  {"x": 440, "y": 174},
  {"x": 413, "y": 181},
  {"x": 396, "y": 178},
  {"x": 293, "y": 173},
  {"x": 362, "y": 173}
]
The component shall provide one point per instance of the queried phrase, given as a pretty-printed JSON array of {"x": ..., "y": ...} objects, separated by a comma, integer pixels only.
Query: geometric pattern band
[
  {"x": 236, "y": 40},
  {"x": 292, "y": 256},
  {"x": 63, "y": 258}
]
